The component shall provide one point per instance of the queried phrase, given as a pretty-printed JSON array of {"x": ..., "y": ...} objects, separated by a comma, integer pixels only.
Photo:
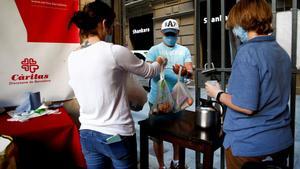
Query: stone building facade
[{"x": 181, "y": 10}]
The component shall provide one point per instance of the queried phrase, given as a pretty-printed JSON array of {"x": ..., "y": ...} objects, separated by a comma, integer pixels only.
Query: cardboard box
[{"x": 7, "y": 153}]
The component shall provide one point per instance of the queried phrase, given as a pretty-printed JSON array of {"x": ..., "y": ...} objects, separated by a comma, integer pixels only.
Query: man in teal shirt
[{"x": 176, "y": 54}]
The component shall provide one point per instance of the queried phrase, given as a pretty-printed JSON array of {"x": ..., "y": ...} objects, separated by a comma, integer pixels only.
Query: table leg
[
  {"x": 222, "y": 158},
  {"x": 198, "y": 160},
  {"x": 181, "y": 157},
  {"x": 144, "y": 149},
  {"x": 208, "y": 158}
]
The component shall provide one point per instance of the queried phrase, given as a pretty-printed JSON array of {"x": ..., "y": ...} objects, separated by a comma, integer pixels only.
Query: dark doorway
[{"x": 141, "y": 32}]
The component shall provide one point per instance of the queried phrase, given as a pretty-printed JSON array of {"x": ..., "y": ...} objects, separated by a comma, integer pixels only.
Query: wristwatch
[{"x": 219, "y": 95}]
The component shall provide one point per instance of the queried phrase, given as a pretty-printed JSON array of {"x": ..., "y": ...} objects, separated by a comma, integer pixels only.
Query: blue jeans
[{"x": 101, "y": 155}]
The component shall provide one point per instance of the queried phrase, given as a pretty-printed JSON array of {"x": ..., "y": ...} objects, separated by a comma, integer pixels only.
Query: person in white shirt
[{"x": 98, "y": 71}]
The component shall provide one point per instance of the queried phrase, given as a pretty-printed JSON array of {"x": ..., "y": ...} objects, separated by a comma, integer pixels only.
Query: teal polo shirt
[{"x": 175, "y": 55}]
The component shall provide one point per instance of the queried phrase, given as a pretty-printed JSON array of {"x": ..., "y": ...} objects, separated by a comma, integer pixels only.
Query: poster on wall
[
  {"x": 284, "y": 32},
  {"x": 34, "y": 47}
]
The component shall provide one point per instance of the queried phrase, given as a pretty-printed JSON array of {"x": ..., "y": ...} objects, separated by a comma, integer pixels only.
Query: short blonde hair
[{"x": 252, "y": 15}]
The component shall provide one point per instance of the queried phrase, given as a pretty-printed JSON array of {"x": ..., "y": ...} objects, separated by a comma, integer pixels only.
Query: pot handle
[
  {"x": 221, "y": 107},
  {"x": 221, "y": 112}
]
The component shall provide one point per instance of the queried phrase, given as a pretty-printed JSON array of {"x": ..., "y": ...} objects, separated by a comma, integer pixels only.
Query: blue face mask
[
  {"x": 108, "y": 38},
  {"x": 170, "y": 40},
  {"x": 240, "y": 33}
]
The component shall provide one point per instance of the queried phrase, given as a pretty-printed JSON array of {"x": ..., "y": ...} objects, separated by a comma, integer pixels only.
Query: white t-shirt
[{"x": 98, "y": 77}]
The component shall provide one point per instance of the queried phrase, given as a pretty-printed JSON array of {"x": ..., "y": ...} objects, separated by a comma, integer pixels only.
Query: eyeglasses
[{"x": 170, "y": 34}]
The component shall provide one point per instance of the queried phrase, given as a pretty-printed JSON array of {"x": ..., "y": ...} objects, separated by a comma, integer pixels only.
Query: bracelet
[{"x": 219, "y": 95}]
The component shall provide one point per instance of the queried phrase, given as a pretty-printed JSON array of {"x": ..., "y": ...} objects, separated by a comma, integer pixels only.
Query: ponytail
[{"x": 92, "y": 13}]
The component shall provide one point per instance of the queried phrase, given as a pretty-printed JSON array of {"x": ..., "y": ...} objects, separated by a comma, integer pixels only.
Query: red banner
[
  {"x": 34, "y": 48},
  {"x": 47, "y": 20}
]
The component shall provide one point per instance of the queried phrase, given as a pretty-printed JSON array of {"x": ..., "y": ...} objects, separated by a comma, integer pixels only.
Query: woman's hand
[{"x": 212, "y": 89}]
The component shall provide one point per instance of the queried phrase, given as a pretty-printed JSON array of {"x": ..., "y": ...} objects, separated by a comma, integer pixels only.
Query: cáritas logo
[{"x": 31, "y": 66}]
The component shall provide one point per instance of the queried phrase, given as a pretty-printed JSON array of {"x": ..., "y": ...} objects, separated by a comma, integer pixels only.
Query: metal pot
[{"x": 209, "y": 114}]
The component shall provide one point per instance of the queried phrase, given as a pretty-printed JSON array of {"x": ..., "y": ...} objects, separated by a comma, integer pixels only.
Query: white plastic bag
[
  {"x": 164, "y": 102},
  {"x": 181, "y": 95},
  {"x": 136, "y": 94}
]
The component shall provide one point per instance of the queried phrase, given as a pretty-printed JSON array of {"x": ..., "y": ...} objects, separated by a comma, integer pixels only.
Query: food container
[{"x": 208, "y": 115}]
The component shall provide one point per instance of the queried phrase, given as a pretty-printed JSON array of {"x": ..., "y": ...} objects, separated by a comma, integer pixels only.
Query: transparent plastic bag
[
  {"x": 164, "y": 101},
  {"x": 181, "y": 95}
]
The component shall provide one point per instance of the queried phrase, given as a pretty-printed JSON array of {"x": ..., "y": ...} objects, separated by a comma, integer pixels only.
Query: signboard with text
[
  {"x": 141, "y": 32},
  {"x": 215, "y": 32},
  {"x": 35, "y": 43}
]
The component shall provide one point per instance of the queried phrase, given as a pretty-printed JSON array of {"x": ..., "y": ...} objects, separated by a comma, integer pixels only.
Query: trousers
[{"x": 99, "y": 154}]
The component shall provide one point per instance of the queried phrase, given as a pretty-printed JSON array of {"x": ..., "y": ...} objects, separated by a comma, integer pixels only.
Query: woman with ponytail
[{"x": 98, "y": 71}]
